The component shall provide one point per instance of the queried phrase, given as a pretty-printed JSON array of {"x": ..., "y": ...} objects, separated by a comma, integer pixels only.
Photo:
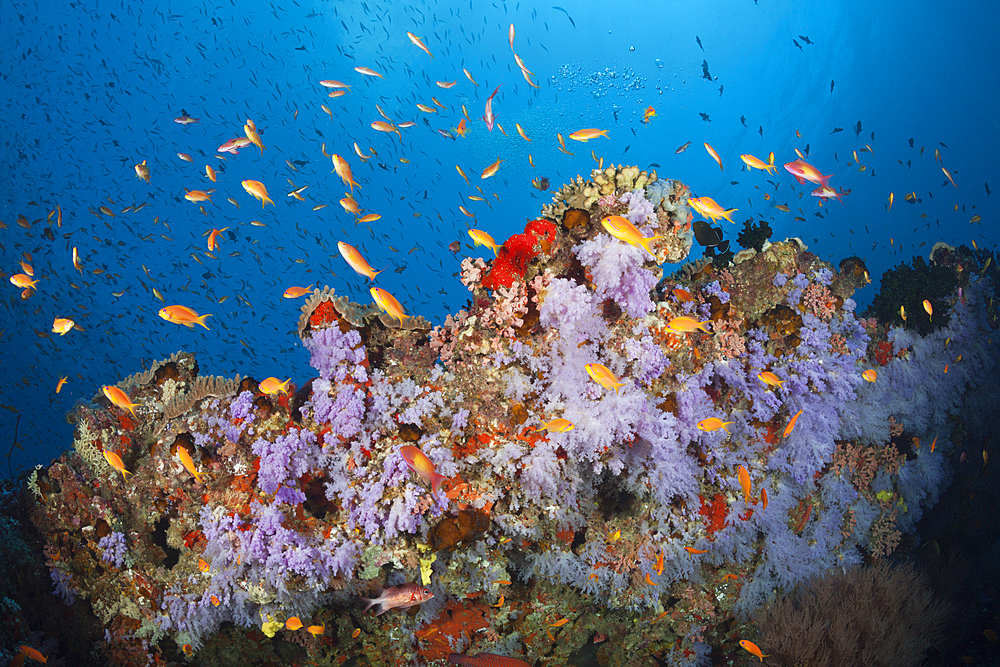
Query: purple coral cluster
[
  {"x": 335, "y": 354},
  {"x": 113, "y": 548},
  {"x": 283, "y": 461}
]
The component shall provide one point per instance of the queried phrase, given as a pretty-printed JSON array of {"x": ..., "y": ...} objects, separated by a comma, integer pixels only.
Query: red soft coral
[{"x": 512, "y": 262}]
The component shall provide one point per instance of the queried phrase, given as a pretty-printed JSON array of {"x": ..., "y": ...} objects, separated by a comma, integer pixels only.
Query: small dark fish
[
  {"x": 706, "y": 234},
  {"x": 626, "y": 149},
  {"x": 831, "y": 85},
  {"x": 857, "y": 129},
  {"x": 681, "y": 149},
  {"x": 704, "y": 70},
  {"x": 797, "y": 45},
  {"x": 455, "y": 246},
  {"x": 698, "y": 39},
  {"x": 805, "y": 39},
  {"x": 760, "y": 130},
  {"x": 943, "y": 144},
  {"x": 49, "y": 234},
  {"x": 654, "y": 164},
  {"x": 743, "y": 119},
  {"x": 567, "y": 15},
  {"x": 720, "y": 90},
  {"x": 704, "y": 117},
  {"x": 911, "y": 142},
  {"x": 837, "y": 129},
  {"x": 988, "y": 191}
]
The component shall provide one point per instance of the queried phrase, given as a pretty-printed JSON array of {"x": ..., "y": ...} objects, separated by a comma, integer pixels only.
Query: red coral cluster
[
  {"x": 714, "y": 512},
  {"x": 512, "y": 262}
]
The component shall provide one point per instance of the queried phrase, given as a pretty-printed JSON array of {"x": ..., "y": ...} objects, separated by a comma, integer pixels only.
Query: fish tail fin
[
  {"x": 825, "y": 180},
  {"x": 768, "y": 168},
  {"x": 727, "y": 214},
  {"x": 201, "y": 320},
  {"x": 266, "y": 200},
  {"x": 371, "y": 603},
  {"x": 648, "y": 242},
  {"x": 436, "y": 479},
  {"x": 372, "y": 276}
]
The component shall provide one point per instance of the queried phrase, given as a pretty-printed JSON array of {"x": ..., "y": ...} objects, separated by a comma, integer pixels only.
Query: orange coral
[{"x": 453, "y": 621}]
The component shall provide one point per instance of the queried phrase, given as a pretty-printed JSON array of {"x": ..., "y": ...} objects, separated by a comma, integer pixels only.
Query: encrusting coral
[{"x": 558, "y": 501}]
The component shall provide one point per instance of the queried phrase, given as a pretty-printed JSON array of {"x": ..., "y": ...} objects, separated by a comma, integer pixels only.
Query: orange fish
[
  {"x": 115, "y": 462},
  {"x": 755, "y": 163},
  {"x": 203, "y": 565},
  {"x": 296, "y": 292},
  {"x": 588, "y": 134},
  {"x": 418, "y": 462},
  {"x": 744, "y": 478},
  {"x": 250, "y": 130},
  {"x": 356, "y": 261},
  {"x": 603, "y": 376},
  {"x": 142, "y": 171},
  {"x": 461, "y": 129},
  {"x": 119, "y": 398},
  {"x": 343, "y": 170},
  {"x": 382, "y": 126},
  {"x": 183, "y": 315},
  {"x": 750, "y": 647},
  {"x": 210, "y": 173},
  {"x": 388, "y": 303},
  {"x": 647, "y": 114},
  {"x": 33, "y": 654},
  {"x": 23, "y": 281},
  {"x": 871, "y": 375},
  {"x": 558, "y": 425},
  {"x": 61, "y": 325},
  {"x": 623, "y": 230},
  {"x": 713, "y": 424},
  {"x": 258, "y": 191},
  {"x": 492, "y": 169},
  {"x": 59, "y": 386},
  {"x": 293, "y": 623},
  {"x": 715, "y": 156},
  {"x": 692, "y": 550},
  {"x": 928, "y": 308},
  {"x": 316, "y": 630},
  {"x": 763, "y": 498},
  {"x": 791, "y": 424},
  {"x": 482, "y": 238},
  {"x": 188, "y": 462},
  {"x": 213, "y": 238},
  {"x": 685, "y": 324},
  {"x": 198, "y": 196},
  {"x": 273, "y": 385},
  {"x": 709, "y": 208},
  {"x": 767, "y": 377},
  {"x": 368, "y": 72}
]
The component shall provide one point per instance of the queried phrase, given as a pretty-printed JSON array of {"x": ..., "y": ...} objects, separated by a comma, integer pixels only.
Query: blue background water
[{"x": 91, "y": 88}]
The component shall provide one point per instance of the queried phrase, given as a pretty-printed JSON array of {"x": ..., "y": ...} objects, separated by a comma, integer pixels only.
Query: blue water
[{"x": 91, "y": 88}]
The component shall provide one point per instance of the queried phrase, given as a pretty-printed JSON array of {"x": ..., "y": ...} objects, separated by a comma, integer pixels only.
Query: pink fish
[
  {"x": 485, "y": 660},
  {"x": 234, "y": 145},
  {"x": 399, "y": 597},
  {"x": 185, "y": 120},
  {"x": 803, "y": 171},
  {"x": 489, "y": 118},
  {"x": 825, "y": 192}
]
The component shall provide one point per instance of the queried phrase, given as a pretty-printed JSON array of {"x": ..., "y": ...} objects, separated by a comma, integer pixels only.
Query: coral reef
[{"x": 242, "y": 510}]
